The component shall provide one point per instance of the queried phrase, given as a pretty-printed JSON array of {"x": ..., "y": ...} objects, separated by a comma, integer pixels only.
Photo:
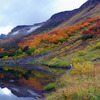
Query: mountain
[{"x": 89, "y": 9}]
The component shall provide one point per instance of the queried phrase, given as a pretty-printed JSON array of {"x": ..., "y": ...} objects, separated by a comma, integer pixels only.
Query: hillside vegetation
[
  {"x": 78, "y": 86},
  {"x": 50, "y": 42}
]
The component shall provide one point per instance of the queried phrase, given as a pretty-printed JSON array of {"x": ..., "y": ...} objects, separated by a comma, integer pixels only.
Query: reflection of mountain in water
[
  {"x": 20, "y": 92},
  {"x": 5, "y": 94}
]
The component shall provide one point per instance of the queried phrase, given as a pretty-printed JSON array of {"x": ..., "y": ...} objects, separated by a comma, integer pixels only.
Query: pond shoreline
[
  {"x": 24, "y": 60},
  {"x": 24, "y": 64},
  {"x": 50, "y": 66}
]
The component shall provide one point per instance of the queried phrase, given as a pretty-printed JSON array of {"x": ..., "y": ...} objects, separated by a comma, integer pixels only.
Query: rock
[
  {"x": 11, "y": 81},
  {"x": 96, "y": 59}
]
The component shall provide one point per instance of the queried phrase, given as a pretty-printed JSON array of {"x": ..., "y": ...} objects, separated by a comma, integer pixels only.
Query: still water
[
  {"x": 25, "y": 82},
  {"x": 6, "y": 94}
]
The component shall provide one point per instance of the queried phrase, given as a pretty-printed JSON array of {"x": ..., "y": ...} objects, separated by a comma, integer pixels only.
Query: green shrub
[
  {"x": 29, "y": 52},
  {"x": 95, "y": 29},
  {"x": 18, "y": 53},
  {"x": 50, "y": 86},
  {"x": 87, "y": 36},
  {"x": 25, "y": 49},
  {"x": 61, "y": 40},
  {"x": 81, "y": 53},
  {"x": 77, "y": 60},
  {"x": 97, "y": 46}
]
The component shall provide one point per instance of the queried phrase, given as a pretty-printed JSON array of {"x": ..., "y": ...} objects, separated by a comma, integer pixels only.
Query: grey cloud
[{"x": 19, "y": 12}]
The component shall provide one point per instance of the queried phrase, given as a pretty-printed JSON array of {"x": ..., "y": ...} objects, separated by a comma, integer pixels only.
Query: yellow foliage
[
  {"x": 5, "y": 58},
  {"x": 56, "y": 59},
  {"x": 79, "y": 41},
  {"x": 81, "y": 53},
  {"x": 77, "y": 60},
  {"x": 97, "y": 46},
  {"x": 83, "y": 68},
  {"x": 20, "y": 56},
  {"x": 62, "y": 50}
]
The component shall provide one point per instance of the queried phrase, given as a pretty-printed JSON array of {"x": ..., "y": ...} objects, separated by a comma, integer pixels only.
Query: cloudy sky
[{"x": 28, "y": 12}]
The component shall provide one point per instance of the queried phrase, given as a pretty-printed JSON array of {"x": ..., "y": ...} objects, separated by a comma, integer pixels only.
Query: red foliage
[
  {"x": 93, "y": 30},
  {"x": 59, "y": 34}
]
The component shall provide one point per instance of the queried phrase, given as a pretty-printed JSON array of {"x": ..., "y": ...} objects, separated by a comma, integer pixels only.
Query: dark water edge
[{"x": 22, "y": 91}]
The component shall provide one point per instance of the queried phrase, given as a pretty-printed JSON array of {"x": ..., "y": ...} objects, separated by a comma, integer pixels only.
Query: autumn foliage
[
  {"x": 92, "y": 31},
  {"x": 58, "y": 35},
  {"x": 33, "y": 42}
]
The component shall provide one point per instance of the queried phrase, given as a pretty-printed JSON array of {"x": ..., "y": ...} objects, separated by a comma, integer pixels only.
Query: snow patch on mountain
[
  {"x": 33, "y": 28},
  {"x": 25, "y": 31},
  {"x": 15, "y": 33}
]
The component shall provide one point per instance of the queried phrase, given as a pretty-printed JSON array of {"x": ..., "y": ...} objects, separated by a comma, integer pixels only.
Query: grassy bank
[
  {"x": 78, "y": 86},
  {"x": 83, "y": 81}
]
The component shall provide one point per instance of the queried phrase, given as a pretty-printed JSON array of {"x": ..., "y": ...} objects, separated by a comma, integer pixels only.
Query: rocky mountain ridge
[
  {"x": 51, "y": 23},
  {"x": 67, "y": 14}
]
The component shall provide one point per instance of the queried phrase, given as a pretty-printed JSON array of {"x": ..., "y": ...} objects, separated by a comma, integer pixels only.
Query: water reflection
[
  {"x": 5, "y": 91},
  {"x": 23, "y": 81},
  {"x": 5, "y": 94},
  {"x": 19, "y": 82}
]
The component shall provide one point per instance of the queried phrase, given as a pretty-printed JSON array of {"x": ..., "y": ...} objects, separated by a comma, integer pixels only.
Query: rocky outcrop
[
  {"x": 62, "y": 16},
  {"x": 89, "y": 3}
]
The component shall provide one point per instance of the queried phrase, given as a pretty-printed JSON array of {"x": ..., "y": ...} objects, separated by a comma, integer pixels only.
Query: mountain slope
[
  {"x": 48, "y": 42},
  {"x": 31, "y": 44},
  {"x": 58, "y": 18},
  {"x": 86, "y": 11}
]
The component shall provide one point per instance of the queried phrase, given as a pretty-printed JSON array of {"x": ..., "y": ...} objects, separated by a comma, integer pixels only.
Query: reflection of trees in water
[
  {"x": 35, "y": 79},
  {"x": 15, "y": 74}
]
